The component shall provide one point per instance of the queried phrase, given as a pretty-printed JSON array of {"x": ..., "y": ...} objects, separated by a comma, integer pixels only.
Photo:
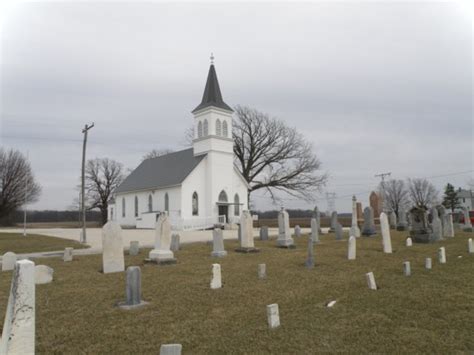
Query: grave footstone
[
  {"x": 408, "y": 242},
  {"x": 339, "y": 232},
  {"x": 314, "y": 230},
  {"x": 162, "y": 253},
  {"x": 385, "y": 229},
  {"x": 371, "y": 280},
  {"x": 368, "y": 228},
  {"x": 171, "y": 349},
  {"x": 8, "y": 261},
  {"x": 112, "y": 248},
  {"x": 273, "y": 316},
  {"x": 43, "y": 274},
  {"x": 175, "y": 245},
  {"x": 264, "y": 233},
  {"x": 470, "y": 246},
  {"x": 262, "y": 271},
  {"x": 218, "y": 243},
  {"x": 351, "y": 249},
  {"x": 68, "y": 256},
  {"x": 355, "y": 231},
  {"x": 297, "y": 231},
  {"x": 407, "y": 268},
  {"x": 134, "y": 248},
  {"x": 310, "y": 259},
  {"x": 18, "y": 335},
  {"x": 216, "y": 281},
  {"x": 246, "y": 238},
  {"x": 442, "y": 255},
  {"x": 284, "y": 235},
  {"x": 428, "y": 263}
]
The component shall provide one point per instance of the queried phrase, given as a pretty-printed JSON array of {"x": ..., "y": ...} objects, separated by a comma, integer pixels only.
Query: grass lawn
[
  {"x": 19, "y": 244},
  {"x": 429, "y": 312}
]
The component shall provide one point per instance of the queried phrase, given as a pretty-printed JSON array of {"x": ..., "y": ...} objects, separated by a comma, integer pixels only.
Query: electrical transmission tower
[
  {"x": 331, "y": 202},
  {"x": 382, "y": 185}
]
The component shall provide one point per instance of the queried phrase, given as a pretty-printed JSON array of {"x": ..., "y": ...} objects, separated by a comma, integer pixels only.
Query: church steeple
[{"x": 212, "y": 93}]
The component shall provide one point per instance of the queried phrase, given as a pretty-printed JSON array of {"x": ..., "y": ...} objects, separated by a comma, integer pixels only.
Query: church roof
[
  {"x": 212, "y": 93},
  {"x": 166, "y": 170}
]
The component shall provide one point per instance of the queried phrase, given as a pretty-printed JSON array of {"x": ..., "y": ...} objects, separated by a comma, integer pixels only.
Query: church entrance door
[{"x": 223, "y": 211}]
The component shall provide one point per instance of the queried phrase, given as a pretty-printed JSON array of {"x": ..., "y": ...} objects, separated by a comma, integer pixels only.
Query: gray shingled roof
[
  {"x": 212, "y": 93},
  {"x": 167, "y": 170}
]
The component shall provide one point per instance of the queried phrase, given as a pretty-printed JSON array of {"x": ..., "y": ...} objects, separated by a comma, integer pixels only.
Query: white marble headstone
[
  {"x": 273, "y": 316},
  {"x": 216, "y": 281},
  {"x": 112, "y": 248},
  {"x": 8, "y": 261},
  {"x": 386, "y": 239}
]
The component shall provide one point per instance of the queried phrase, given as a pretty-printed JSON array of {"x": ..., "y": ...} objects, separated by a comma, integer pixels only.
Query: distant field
[
  {"x": 429, "y": 312},
  {"x": 60, "y": 225},
  {"x": 17, "y": 243}
]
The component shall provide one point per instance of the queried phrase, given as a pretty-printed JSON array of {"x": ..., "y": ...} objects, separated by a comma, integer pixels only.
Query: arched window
[
  {"x": 167, "y": 202},
  {"x": 236, "y": 205},
  {"x": 206, "y": 128},
  {"x": 150, "y": 203},
  {"x": 136, "y": 206},
  {"x": 218, "y": 127},
  {"x": 199, "y": 129},
  {"x": 225, "y": 132},
  {"x": 123, "y": 207},
  {"x": 222, "y": 196},
  {"x": 195, "y": 204}
]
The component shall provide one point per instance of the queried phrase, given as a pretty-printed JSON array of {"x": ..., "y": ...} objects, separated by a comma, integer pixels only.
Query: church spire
[{"x": 212, "y": 93}]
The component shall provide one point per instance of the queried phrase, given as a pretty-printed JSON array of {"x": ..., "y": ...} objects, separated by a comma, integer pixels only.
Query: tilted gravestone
[
  {"x": 112, "y": 248},
  {"x": 8, "y": 261},
  {"x": 284, "y": 235},
  {"x": 371, "y": 280},
  {"x": 369, "y": 226},
  {"x": 218, "y": 243},
  {"x": 18, "y": 336},
  {"x": 385, "y": 229}
]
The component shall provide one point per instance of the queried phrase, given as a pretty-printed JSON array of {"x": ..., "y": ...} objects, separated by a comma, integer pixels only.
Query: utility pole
[
  {"x": 382, "y": 176},
  {"x": 26, "y": 199},
  {"x": 83, "y": 179}
]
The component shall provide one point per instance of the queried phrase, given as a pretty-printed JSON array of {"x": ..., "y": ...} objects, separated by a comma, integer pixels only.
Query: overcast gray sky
[{"x": 375, "y": 86}]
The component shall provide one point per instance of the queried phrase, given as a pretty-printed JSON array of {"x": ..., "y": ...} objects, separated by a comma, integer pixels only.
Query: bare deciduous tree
[
  {"x": 103, "y": 176},
  {"x": 275, "y": 157},
  {"x": 422, "y": 193},
  {"x": 15, "y": 176},
  {"x": 396, "y": 195},
  {"x": 155, "y": 153}
]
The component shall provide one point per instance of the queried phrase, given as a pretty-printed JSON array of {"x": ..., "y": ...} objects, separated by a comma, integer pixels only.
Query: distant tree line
[{"x": 50, "y": 216}]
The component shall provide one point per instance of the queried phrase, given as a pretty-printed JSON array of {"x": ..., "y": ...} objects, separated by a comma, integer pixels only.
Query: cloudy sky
[{"x": 375, "y": 86}]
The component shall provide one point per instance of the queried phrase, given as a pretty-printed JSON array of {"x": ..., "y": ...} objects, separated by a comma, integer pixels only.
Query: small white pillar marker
[
  {"x": 171, "y": 349},
  {"x": 442, "y": 255},
  {"x": 407, "y": 268},
  {"x": 428, "y": 263},
  {"x": 351, "y": 252},
  {"x": 216, "y": 281},
  {"x": 408, "y": 242},
  {"x": 371, "y": 280},
  {"x": 273, "y": 316},
  {"x": 470, "y": 246},
  {"x": 67, "y": 255},
  {"x": 262, "y": 271}
]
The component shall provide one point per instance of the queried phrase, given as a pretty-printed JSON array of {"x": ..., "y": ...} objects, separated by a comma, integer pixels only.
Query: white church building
[{"x": 199, "y": 187}]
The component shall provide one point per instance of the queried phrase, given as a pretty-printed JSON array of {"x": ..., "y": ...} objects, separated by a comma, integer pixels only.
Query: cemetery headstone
[
  {"x": 334, "y": 222},
  {"x": 310, "y": 259},
  {"x": 393, "y": 220},
  {"x": 419, "y": 230},
  {"x": 246, "y": 238},
  {"x": 317, "y": 216},
  {"x": 470, "y": 246},
  {"x": 297, "y": 231},
  {"x": 339, "y": 232},
  {"x": 8, "y": 261},
  {"x": 407, "y": 268},
  {"x": 355, "y": 231},
  {"x": 467, "y": 221},
  {"x": 428, "y": 263},
  {"x": 369, "y": 225},
  {"x": 216, "y": 281},
  {"x": 437, "y": 228},
  {"x": 67, "y": 256},
  {"x": 448, "y": 229},
  {"x": 43, "y": 274},
  {"x": 385, "y": 229},
  {"x": 262, "y": 271},
  {"x": 442, "y": 255},
  {"x": 133, "y": 289},
  {"x": 314, "y": 230},
  {"x": 402, "y": 224},
  {"x": 162, "y": 253},
  {"x": 360, "y": 214},
  {"x": 134, "y": 248},
  {"x": 18, "y": 335},
  {"x": 284, "y": 235},
  {"x": 218, "y": 243},
  {"x": 175, "y": 245},
  {"x": 408, "y": 242},
  {"x": 264, "y": 233},
  {"x": 273, "y": 316},
  {"x": 351, "y": 250},
  {"x": 371, "y": 280},
  {"x": 112, "y": 248},
  {"x": 171, "y": 349}
]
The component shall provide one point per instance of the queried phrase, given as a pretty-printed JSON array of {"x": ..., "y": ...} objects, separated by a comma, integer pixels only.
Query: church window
[
  {"x": 199, "y": 129},
  {"x": 222, "y": 196},
  {"x": 150, "y": 203},
  {"x": 195, "y": 204},
  {"x": 123, "y": 207},
  {"x": 206, "y": 128},
  {"x": 225, "y": 132},
  {"x": 136, "y": 206},
  {"x": 218, "y": 127},
  {"x": 167, "y": 202},
  {"x": 236, "y": 205}
]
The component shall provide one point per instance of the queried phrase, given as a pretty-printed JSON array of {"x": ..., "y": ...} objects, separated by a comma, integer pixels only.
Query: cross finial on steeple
[{"x": 212, "y": 58}]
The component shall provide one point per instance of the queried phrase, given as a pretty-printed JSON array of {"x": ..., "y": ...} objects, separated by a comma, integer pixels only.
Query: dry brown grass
[
  {"x": 19, "y": 244},
  {"x": 429, "y": 312}
]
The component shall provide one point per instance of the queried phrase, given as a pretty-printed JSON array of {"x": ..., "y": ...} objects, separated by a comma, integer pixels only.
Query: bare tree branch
[
  {"x": 422, "y": 193},
  {"x": 155, "y": 153},
  {"x": 396, "y": 195}
]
